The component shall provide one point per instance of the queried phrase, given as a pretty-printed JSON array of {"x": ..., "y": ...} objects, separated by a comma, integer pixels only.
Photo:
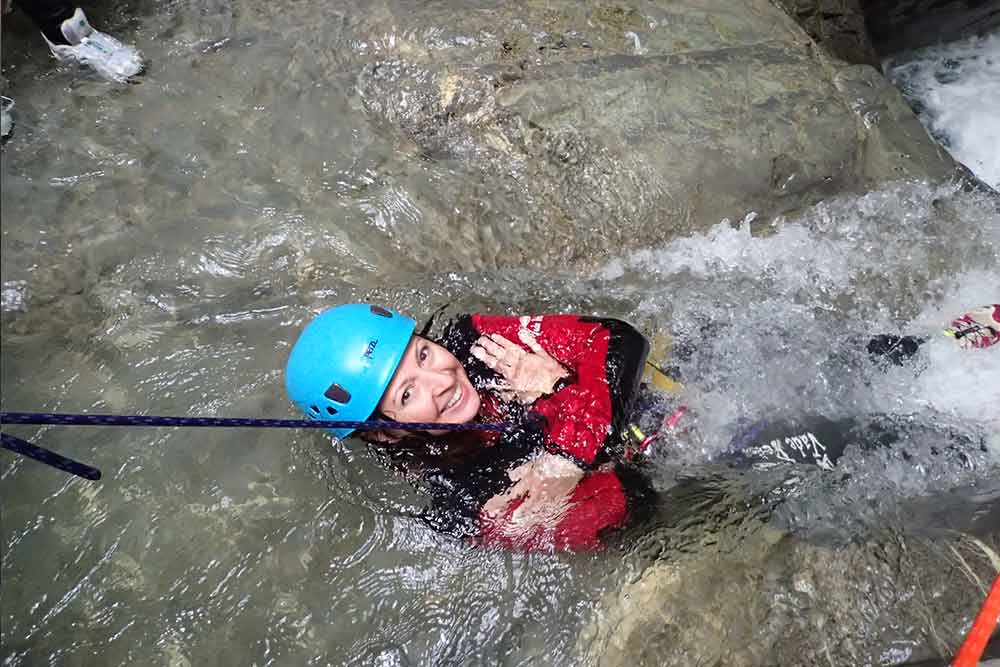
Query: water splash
[
  {"x": 775, "y": 316},
  {"x": 955, "y": 89}
]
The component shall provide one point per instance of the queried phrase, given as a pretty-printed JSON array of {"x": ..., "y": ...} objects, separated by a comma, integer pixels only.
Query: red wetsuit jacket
[{"x": 580, "y": 420}]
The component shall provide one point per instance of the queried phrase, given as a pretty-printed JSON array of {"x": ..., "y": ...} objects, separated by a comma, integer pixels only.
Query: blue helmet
[{"x": 343, "y": 361}]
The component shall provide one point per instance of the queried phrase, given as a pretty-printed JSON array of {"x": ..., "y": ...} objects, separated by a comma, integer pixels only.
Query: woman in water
[{"x": 558, "y": 480}]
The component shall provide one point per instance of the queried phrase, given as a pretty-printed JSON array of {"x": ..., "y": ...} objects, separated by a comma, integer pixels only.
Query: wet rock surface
[
  {"x": 625, "y": 123},
  {"x": 539, "y": 135}
]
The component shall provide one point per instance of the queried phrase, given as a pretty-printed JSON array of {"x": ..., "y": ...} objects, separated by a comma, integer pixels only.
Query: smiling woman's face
[{"x": 429, "y": 385}]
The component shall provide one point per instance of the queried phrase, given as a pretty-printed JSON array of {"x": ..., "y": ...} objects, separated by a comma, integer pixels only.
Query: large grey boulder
[{"x": 618, "y": 125}]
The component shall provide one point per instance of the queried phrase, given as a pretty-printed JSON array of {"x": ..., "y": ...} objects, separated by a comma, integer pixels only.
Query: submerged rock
[{"x": 774, "y": 599}]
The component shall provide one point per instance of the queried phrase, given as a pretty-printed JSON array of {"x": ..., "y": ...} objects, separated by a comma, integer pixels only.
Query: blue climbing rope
[
  {"x": 70, "y": 419},
  {"x": 87, "y": 472},
  {"x": 48, "y": 457}
]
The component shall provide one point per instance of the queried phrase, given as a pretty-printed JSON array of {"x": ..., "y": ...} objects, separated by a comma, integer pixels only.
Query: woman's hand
[
  {"x": 545, "y": 484},
  {"x": 527, "y": 375}
]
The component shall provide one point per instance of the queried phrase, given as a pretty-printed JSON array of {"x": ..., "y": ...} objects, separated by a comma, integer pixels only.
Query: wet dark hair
[{"x": 418, "y": 452}]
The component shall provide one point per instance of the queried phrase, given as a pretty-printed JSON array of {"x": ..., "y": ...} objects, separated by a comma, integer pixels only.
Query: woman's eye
[
  {"x": 405, "y": 398},
  {"x": 424, "y": 353}
]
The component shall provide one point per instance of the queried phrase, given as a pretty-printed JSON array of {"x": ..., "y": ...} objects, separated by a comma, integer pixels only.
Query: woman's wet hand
[
  {"x": 544, "y": 486},
  {"x": 527, "y": 374}
]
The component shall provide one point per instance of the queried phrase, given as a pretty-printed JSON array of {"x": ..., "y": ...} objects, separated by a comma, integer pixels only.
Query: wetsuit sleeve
[{"x": 605, "y": 357}]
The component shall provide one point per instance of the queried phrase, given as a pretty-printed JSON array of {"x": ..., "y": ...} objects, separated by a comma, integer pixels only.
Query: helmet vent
[
  {"x": 379, "y": 310},
  {"x": 337, "y": 394},
  {"x": 330, "y": 411},
  {"x": 314, "y": 409}
]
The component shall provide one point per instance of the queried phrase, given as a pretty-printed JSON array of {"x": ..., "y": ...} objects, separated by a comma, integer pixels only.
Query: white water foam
[
  {"x": 778, "y": 319},
  {"x": 955, "y": 88}
]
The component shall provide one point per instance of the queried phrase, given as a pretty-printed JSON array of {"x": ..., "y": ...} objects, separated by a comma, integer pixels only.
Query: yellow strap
[
  {"x": 662, "y": 381},
  {"x": 660, "y": 347}
]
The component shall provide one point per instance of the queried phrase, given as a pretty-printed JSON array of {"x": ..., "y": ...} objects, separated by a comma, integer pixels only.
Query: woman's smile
[{"x": 431, "y": 386}]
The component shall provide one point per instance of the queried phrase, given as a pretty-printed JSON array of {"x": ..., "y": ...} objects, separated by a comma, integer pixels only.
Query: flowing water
[
  {"x": 955, "y": 88},
  {"x": 162, "y": 245}
]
